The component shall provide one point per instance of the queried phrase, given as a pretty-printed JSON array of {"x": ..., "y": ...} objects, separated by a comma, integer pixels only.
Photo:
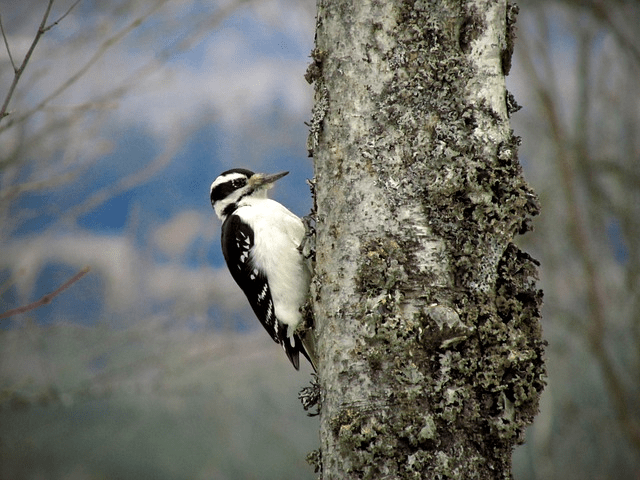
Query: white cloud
[
  {"x": 175, "y": 236},
  {"x": 113, "y": 257},
  {"x": 229, "y": 86},
  {"x": 131, "y": 280},
  {"x": 194, "y": 290}
]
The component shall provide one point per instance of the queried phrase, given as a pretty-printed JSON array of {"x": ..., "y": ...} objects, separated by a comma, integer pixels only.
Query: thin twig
[
  {"x": 6, "y": 44},
  {"x": 62, "y": 17},
  {"x": 27, "y": 57},
  {"x": 46, "y": 299},
  {"x": 104, "y": 47}
]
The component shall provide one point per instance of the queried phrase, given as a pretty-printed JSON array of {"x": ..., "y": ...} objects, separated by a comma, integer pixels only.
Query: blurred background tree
[
  {"x": 149, "y": 366},
  {"x": 576, "y": 68}
]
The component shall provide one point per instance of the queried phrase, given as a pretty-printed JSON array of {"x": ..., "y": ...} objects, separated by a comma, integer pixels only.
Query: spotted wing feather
[{"x": 237, "y": 242}]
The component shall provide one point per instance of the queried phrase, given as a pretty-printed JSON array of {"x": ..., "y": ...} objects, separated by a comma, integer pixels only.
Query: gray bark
[{"x": 427, "y": 314}]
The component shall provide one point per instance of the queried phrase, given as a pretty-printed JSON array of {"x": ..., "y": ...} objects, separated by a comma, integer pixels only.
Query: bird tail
[
  {"x": 301, "y": 342},
  {"x": 308, "y": 344}
]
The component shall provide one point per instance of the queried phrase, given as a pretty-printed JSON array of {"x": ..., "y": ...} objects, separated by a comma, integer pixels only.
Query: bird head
[{"x": 233, "y": 185}]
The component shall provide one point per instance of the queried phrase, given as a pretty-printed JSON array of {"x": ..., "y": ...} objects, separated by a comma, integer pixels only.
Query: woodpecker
[{"x": 261, "y": 245}]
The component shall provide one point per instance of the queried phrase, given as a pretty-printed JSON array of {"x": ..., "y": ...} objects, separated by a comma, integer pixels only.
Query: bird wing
[{"x": 237, "y": 242}]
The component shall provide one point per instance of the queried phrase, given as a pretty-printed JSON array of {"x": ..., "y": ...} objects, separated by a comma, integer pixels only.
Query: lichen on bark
[{"x": 427, "y": 313}]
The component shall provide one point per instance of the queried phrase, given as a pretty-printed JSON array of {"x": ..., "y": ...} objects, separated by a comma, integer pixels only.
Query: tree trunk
[{"x": 430, "y": 349}]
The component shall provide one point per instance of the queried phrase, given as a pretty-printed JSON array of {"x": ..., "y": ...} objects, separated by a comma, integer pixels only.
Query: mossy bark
[{"x": 427, "y": 314}]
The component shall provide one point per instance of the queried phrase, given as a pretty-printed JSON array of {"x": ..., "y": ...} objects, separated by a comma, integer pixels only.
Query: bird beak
[{"x": 262, "y": 179}]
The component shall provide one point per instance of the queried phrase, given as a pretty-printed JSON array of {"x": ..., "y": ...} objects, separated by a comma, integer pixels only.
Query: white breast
[{"x": 277, "y": 236}]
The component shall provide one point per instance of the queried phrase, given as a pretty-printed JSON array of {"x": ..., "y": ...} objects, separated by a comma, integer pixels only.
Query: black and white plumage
[{"x": 260, "y": 243}]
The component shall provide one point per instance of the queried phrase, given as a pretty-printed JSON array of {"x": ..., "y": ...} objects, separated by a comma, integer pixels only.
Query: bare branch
[
  {"x": 46, "y": 299},
  {"x": 104, "y": 47},
  {"x": 15, "y": 190},
  {"x": 27, "y": 57},
  {"x": 62, "y": 17},
  {"x": 6, "y": 44}
]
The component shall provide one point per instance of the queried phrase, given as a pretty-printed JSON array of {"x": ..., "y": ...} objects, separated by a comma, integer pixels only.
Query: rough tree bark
[{"x": 431, "y": 357}]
